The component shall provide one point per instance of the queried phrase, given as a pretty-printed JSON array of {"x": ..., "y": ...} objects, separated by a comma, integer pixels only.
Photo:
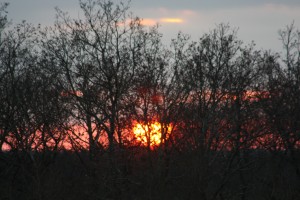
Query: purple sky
[{"x": 257, "y": 20}]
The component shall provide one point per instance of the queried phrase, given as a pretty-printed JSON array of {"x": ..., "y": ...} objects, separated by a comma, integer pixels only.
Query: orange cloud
[
  {"x": 148, "y": 22},
  {"x": 172, "y": 20},
  {"x": 152, "y": 22}
]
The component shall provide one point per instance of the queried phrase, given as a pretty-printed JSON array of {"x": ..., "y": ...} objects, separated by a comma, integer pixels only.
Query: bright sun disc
[{"x": 149, "y": 134}]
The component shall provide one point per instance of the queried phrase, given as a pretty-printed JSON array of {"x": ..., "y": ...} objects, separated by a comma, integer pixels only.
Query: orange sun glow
[{"x": 150, "y": 134}]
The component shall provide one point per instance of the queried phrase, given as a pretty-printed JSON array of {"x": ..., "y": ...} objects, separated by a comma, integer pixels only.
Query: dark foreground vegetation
[
  {"x": 71, "y": 93},
  {"x": 186, "y": 175}
]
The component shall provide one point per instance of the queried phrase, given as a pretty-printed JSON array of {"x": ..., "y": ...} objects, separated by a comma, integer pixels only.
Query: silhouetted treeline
[{"x": 71, "y": 93}]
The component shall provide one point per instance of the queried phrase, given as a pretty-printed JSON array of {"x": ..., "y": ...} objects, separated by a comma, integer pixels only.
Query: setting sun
[{"x": 149, "y": 134}]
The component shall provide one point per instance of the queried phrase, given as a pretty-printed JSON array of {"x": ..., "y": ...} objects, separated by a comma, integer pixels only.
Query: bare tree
[
  {"x": 16, "y": 58},
  {"x": 3, "y": 18},
  {"x": 96, "y": 54},
  {"x": 219, "y": 74}
]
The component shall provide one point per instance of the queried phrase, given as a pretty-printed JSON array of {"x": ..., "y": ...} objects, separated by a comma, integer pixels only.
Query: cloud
[
  {"x": 281, "y": 8},
  {"x": 166, "y": 16},
  {"x": 148, "y": 22},
  {"x": 172, "y": 20},
  {"x": 152, "y": 21}
]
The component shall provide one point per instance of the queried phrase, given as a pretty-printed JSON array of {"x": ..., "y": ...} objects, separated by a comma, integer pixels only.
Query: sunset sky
[{"x": 257, "y": 20}]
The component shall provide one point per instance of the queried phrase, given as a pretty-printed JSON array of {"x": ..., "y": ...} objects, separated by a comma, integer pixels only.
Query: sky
[{"x": 256, "y": 20}]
